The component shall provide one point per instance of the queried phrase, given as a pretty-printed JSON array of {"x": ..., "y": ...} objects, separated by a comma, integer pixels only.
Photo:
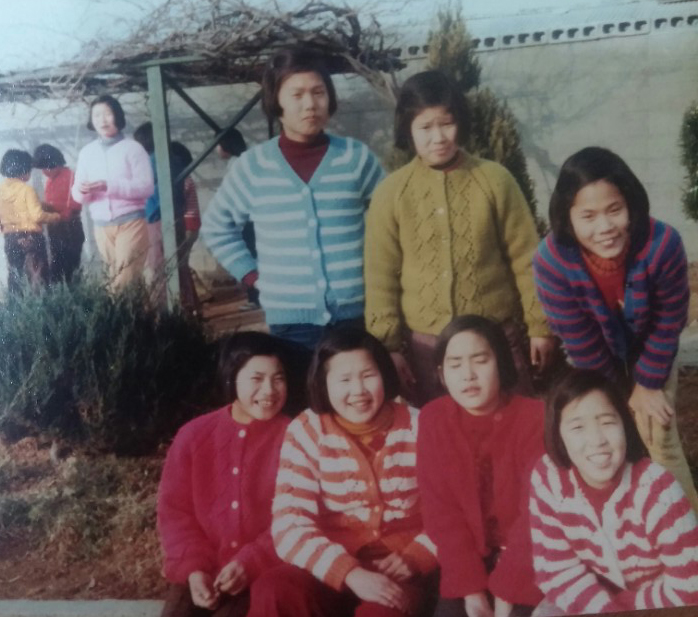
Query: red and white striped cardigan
[
  {"x": 331, "y": 501},
  {"x": 642, "y": 553}
]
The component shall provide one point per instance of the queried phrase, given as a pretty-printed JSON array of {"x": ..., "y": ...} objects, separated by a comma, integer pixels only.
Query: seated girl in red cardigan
[
  {"x": 611, "y": 529},
  {"x": 214, "y": 503},
  {"x": 346, "y": 512},
  {"x": 476, "y": 448}
]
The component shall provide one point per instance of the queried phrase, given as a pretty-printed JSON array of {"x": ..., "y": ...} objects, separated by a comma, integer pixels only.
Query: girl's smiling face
[
  {"x": 355, "y": 385},
  {"x": 261, "y": 389},
  {"x": 435, "y": 135},
  {"x": 471, "y": 374},
  {"x": 600, "y": 219},
  {"x": 592, "y": 432}
]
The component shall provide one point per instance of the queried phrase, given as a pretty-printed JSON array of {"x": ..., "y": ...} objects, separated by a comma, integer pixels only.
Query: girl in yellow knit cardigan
[{"x": 448, "y": 234}]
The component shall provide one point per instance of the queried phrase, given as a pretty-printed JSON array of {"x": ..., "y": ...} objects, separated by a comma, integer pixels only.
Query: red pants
[{"x": 288, "y": 591}]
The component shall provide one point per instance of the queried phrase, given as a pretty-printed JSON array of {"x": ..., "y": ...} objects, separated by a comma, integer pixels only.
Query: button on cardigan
[
  {"x": 310, "y": 237},
  {"x": 214, "y": 502}
]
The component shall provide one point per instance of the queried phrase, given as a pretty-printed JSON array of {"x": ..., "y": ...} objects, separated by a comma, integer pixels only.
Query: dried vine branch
[{"x": 231, "y": 41}]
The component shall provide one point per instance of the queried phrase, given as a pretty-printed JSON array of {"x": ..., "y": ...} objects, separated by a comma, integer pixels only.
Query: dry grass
[{"x": 81, "y": 527}]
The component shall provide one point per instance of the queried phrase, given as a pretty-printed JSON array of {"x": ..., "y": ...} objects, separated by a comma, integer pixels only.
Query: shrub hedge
[{"x": 100, "y": 371}]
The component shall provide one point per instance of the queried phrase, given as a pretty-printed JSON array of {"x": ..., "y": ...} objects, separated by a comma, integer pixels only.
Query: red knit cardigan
[
  {"x": 216, "y": 491},
  {"x": 448, "y": 486}
]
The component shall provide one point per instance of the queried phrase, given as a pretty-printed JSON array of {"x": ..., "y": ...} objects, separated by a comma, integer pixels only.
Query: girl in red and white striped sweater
[
  {"x": 346, "y": 513},
  {"x": 611, "y": 530}
]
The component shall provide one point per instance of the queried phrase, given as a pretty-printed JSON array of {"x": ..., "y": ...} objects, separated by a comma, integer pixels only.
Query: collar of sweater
[
  {"x": 464, "y": 162},
  {"x": 380, "y": 423},
  {"x": 107, "y": 142},
  {"x": 289, "y": 145}
]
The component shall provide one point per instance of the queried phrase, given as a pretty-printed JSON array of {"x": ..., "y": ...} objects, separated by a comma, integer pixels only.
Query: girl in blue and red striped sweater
[{"x": 613, "y": 283}]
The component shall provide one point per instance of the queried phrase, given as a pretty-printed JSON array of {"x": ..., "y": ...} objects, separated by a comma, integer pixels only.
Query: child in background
[
  {"x": 214, "y": 503},
  {"x": 613, "y": 282},
  {"x": 612, "y": 531},
  {"x": 66, "y": 236},
  {"x": 448, "y": 234},
  {"x": 192, "y": 224},
  {"x": 229, "y": 148},
  {"x": 477, "y": 446},
  {"x": 346, "y": 511},
  {"x": 21, "y": 219}
]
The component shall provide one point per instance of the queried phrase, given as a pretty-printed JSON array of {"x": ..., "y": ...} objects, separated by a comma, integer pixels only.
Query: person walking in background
[
  {"x": 448, "y": 234},
  {"x": 614, "y": 285},
  {"x": 66, "y": 236},
  {"x": 113, "y": 177},
  {"x": 21, "y": 220},
  {"x": 306, "y": 192},
  {"x": 155, "y": 267}
]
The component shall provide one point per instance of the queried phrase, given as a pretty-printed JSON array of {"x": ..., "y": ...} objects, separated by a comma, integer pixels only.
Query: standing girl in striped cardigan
[
  {"x": 611, "y": 530},
  {"x": 613, "y": 283},
  {"x": 346, "y": 514},
  {"x": 306, "y": 193}
]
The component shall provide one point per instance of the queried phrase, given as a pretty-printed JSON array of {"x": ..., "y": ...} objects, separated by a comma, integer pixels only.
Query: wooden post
[{"x": 161, "y": 136}]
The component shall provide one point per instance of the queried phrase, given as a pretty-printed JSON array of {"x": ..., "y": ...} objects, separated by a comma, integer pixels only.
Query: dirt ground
[
  {"x": 129, "y": 565},
  {"x": 37, "y": 568}
]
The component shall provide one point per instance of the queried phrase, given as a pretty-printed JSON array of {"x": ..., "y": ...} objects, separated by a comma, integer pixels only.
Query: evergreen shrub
[
  {"x": 689, "y": 158},
  {"x": 100, "y": 371}
]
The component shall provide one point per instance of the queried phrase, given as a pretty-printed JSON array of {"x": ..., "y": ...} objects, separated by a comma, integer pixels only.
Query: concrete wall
[{"x": 624, "y": 92}]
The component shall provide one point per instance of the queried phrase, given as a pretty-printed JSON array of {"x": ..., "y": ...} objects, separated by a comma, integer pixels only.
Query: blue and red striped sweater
[{"x": 654, "y": 313}]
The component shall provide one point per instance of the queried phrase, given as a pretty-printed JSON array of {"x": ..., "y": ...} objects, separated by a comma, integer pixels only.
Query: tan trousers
[
  {"x": 124, "y": 249},
  {"x": 666, "y": 448}
]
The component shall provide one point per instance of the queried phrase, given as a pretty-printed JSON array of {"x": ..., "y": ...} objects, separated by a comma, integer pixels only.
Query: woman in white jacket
[{"x": 114, "y": 178}]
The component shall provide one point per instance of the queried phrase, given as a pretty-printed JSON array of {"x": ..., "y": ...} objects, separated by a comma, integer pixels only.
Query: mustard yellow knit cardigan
[{"x": 441, "y": 244}]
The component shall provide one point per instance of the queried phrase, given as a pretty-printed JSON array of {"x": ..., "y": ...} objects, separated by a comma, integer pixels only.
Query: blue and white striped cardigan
[{"x": 310, "y": 237}]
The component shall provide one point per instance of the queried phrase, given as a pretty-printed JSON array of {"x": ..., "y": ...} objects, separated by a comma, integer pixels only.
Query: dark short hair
[
  {"x": 495, "y": 337},
  {"x": 47, "y": 156},
  {"x": 179, "y": 150},
  {"x": 16, "y": 163},
  {"x": 144, "y": 136},
  {"x": 288, "y": 62},
  {"x": 347, "y": 339},
  {"x": 233, "y": 142},
  {"x": 585, "y": 167},
  {"x": 423, "y": 90},
  {"x": 575, "y": 384},
  {"x": 237, "y": 349},
  {"x": 116, "y": 109}
]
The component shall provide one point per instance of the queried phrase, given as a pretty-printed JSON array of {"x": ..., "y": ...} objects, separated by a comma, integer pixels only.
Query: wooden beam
[{"x": 161, "y": 136}]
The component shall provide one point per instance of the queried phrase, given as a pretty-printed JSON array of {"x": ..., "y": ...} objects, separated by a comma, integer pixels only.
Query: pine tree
[
  {"x": 493, "y": 133},
  {"x": 689, "y": 158}
]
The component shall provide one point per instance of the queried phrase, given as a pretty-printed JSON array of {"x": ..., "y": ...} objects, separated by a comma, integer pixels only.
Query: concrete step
[{"x": 80, "y": 608}]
